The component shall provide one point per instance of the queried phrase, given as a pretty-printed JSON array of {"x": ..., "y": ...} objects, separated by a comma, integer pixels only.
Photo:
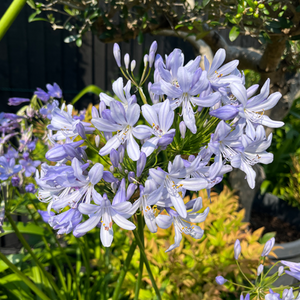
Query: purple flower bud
[
  {"x": 220, "y": 280},
  {"x": 30, "y": 188},
  {"x": 31, "y": 146},
  {"x": 152, "y": 52},
  {"x": 126, "y": 60},
  {"x": 114, "y": 157},
  {"x": 131, "y": 176},
  {"x": 121, "y": 151},
  {"x": 111, "y": 169},
  {"x": 146, "y": 58},
  {"x": 95, "y": 113},
  {"x": 140, "y": 164},
  {"x": 130, "y": 190},
  {"x": 237, "y": 249},
  {"x": 17, "y": 101},
  {"x": 117, "y": 54},
  {"x": 280, "y": 270},
  {"x": 45, "y": 215},
  {"x": 80, "y": 130},
  {"x": 97, "y": 140},
  {"x": 226, "y": 112},
  {"x": 182, "y": 129},
  {"x": 268, "y": 246},
  {"x": 15, "y": 181},
  {"x": 108, "y": 177},
  {"x": 260, "y": 269},
  {"x": 132, "y": 65}
]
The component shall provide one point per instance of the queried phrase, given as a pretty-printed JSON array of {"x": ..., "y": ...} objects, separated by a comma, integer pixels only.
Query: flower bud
[
  {"x": 131, "y": 176},
  {"x": 237, "y": 249},
  {"x": 108, "y": 177},
  {"x": 220, "y": 280},
  {"x": 152, "y": 52},
  {"x": 95, "y": 113},
  {"x": 117, "y": 54},
  {"x": 121, "y": 151},
  {"x": 140, "y": 164},
  {"x": 130, "y": 190},
  {"x": 191, "y": 158},
  {"x": 126, "y": 60},
  {"x": 260, "y": 269},
  {"x": 280, "y": 270},
  {"x": 114, "y": 157},
  {"x": 247, "y": 297},
  {"x": 80, "y": 130},
  {"x": 132, "y": 65},
  {"x": 182, "y": 129},
  {"x": 97, "y": 140},
  {"x": 268, "y": 246},
  {"x": 146, "y": 58},
  {"x": 111, "y": 168}
]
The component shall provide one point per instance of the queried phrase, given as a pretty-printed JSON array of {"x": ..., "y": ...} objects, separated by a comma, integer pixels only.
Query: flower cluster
[
  {"x": 194, "y": 126},
  {"x": 262, "y": 288}
]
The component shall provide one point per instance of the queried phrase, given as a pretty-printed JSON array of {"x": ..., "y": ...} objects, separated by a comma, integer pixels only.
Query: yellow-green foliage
[{"x": 189, "y": 271}]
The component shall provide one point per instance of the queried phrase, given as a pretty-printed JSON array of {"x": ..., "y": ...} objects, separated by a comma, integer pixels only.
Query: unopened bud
[
  {"x": 131, "y": 176},
  {"x": 132, "y": 65},
  {"x": 117, "y": 54},
  {"x": 97, "y": 140},
  {"x": 146, "y": 58},
  {"x": 280, "y": 270},
  {"x": 126, "y": 60},
  {"x": 268, "y": 247},
  {"x": 237, "y": 249},
  {"x": 182, "y": 129},
  {"x": 260, "y": 269},
  {"x": 220, "y": 280}
]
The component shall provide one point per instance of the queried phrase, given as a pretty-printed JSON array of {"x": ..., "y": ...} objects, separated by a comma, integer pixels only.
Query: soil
[{"x": 285, "y": 232}]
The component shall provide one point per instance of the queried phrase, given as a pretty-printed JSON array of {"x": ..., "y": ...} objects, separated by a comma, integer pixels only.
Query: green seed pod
[
  {"x": 256, "y": 15},
  {"x": 255, "y": 2},
  {"x": 238, "y": 16},
  {"x": 261, "y": 6},
  {"x": 250, "y": 9}
]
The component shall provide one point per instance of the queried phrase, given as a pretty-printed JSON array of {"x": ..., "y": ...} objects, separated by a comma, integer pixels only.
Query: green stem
[
  {"x": 142, "y": 95},
  {"x": 63, "y": 253},
  {"x": 28, "y": 248},
  {"x": 10, "y": 15},
  {"x": 140, "y": 244},
  {"x": 60, "y": 275},
  {"x": 140, "y": 274},
  {"x": 124, "y": 271},
  {"x": 244, "y": 274},
  {"x": 28, "y": 282}
]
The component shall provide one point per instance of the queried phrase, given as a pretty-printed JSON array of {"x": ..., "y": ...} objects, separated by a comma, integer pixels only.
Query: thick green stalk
[
  {"x": 146, "y": 262},
  {"x": 10, "y": 15},
  {"x": 28, "y": 248},
  {"x": 124, "y": 271},
  {"x": 141, "y": 266},
  {"x": 28, "y": 282}
]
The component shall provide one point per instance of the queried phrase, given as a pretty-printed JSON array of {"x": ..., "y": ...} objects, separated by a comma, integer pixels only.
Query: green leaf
[
  {"x": 266, "y": 237},
  {"x": 89, "y": 89},
  {"x": 234, "y": 33},
  {"x": 28, "y": 228},
  {"x": 31, "y": 3},
  {"x": 39, "y": 19},
  {"x": 251, "y": 4},
  {"x": 178, "y": 26},
  {"x": 205, "y": 2}
]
